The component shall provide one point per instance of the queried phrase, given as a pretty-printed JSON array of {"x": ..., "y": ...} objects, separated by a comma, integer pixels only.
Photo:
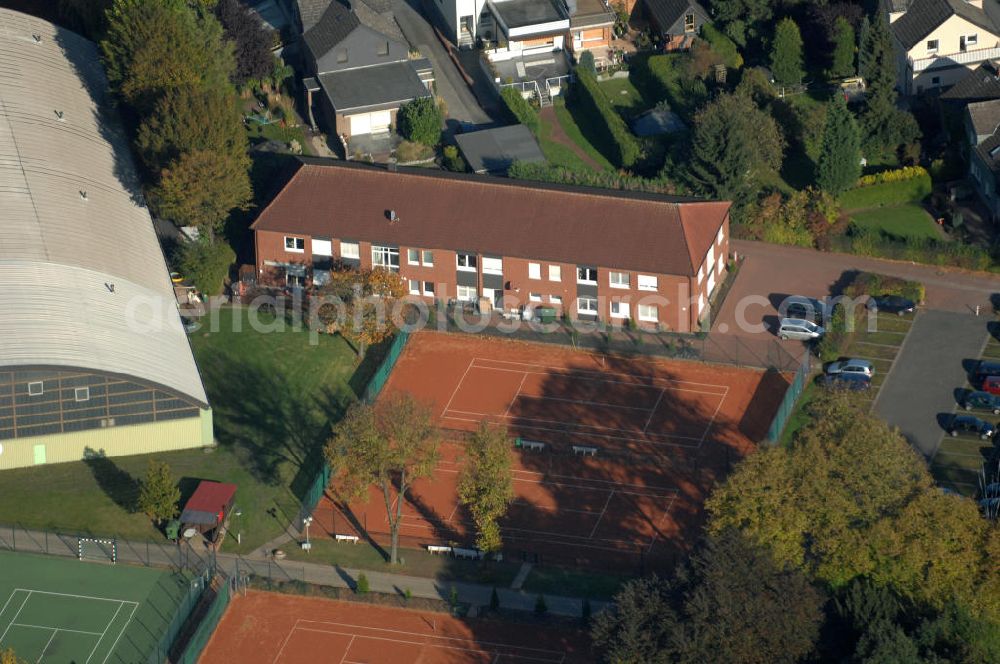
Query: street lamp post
[
  {"x": 239, "y": 532},
  {"x": 305, "y": 522}
]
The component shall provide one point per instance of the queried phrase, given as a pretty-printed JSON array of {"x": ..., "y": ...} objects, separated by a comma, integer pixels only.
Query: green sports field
[{"x": 57, "y": 610}]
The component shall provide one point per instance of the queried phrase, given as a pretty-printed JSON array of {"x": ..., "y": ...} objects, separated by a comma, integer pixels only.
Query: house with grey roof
[
  {"x": 93, "y": 354},
  {"x": 982, "y": 127},
  {"x": 980, "y": 84},
  {"x": 359, "y": 69},
  {"x": 937, "y": 42},
  {"x": 677, "y": 21}
]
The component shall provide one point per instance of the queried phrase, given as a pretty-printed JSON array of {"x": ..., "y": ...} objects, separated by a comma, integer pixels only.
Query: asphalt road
[
  {"x": 921, "y": 386},
  {"x": 451, "y": 87}
]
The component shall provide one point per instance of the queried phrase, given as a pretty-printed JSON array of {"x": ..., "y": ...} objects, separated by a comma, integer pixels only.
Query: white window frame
[
  {"x": 534, "y": 270},
  {"x": 587, "y": 310},
  {"x": 701, "y": 273},
  {"x": 322, "y": 247},
  {"x": 81, "y": 394},
  {"x": 624, "y": 310},
  {"x": 648, "y": 282},
  {"x": 534, "y": 297},
  {"x": 350, "y": 250},
  {"x": 492, "y": 265},
  {"x": 429, "y": 288},
  {"x": 414, "y": 291},
  {"x": 36, "y": 388},
  {"x": 619, "y": 279},
  {"x": 721, "y": 264},
  {"x": 413, "y": 257},
  {"x": 933, "y": 49},
  {"x": 555, "y": 299},
  {"x": 471, "y": 263},
  {"x": 589, "y": 282},
  {"x": 655, "y": 318},
  {"x": 972, "y": 40},
  {"x": 721, "y": 236},
  {"x": 555, "y": 272},
  {"x": 427, "y": 257},
  {"x": 470, "y": 293},
  {"x": 385, "y": 254},
  {"x": 295, "y": 242}
]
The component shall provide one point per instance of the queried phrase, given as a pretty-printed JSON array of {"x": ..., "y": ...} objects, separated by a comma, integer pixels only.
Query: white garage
[{"x": 370, "y": 123}]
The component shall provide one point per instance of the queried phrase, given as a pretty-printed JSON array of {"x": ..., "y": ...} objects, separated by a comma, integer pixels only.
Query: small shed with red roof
[{"x": 208, "y": 507}]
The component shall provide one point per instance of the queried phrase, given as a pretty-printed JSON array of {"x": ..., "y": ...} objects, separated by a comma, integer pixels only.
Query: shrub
[
  {"x": 871, "y": 283},
  {"x": 408, "y": 151},
  {"x": 888, "y": 188},
  {"x": 723, "y": 46},
  {"x": 205, "y": 263},
  {"x": 839, "y": 331},
  {"x": 452, "y": 160},
  {"x": 420, "y": 121},
  {"x": 587, "y": 63},
  {"x": 519, "y": 109},
  {"x": 669, "y": 77},
  {"x": 602, "y": 179},
  {"x": 362, "y": 587},
  {"x": 453, "y": 597},
  {"x": 591, "y": 100},
  {"x": 919, "y": 250}
]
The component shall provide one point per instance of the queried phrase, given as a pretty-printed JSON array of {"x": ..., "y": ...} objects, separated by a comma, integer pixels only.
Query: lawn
[
  {"x": 907, "y": 221},
  {"x": 624, "y": 96},
  {"x": 562, "y": 155},
  {"x": 274, "y": 391},
  {"x": 275, "y": 132}
]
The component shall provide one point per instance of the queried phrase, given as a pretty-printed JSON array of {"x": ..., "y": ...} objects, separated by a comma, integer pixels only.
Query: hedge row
[
  {"x": 920, "y": 250},
  {"x": 723, "y": 46},
  {"x": 911, "y": 190},
  {"x": 519, "y": 109},
  {"x": 871, "y": 283},
  {"x": 838, "y": 333},
  {"x": 591, "y": 100},
  {"x": 895, "y": 175}
]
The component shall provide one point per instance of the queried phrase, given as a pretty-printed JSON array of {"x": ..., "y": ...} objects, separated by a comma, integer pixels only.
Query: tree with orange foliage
[{"x": 359, "y": 305}]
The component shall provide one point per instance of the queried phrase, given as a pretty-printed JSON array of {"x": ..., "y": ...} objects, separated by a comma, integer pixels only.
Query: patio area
[
  {"x": 530, "y": 73},
  {"x": 379, "y": 146}
]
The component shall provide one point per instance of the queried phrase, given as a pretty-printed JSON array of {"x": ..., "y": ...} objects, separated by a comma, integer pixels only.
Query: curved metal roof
[{"x": 83, "y": 282}]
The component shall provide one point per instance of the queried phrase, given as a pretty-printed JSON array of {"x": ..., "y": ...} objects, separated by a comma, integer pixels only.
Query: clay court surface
[
  {"x": 271, "y": 628},
  {"x": 629, "y": 449}
]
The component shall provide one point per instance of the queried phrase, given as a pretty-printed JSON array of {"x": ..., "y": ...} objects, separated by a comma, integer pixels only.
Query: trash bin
[
  {"x": 547, "y": 314},
  {"x": 173, "y": 529}
]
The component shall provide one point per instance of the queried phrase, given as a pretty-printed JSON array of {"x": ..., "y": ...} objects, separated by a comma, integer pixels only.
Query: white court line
[
  {"x": 56, "y": 629},
  {"x": 568, "y": 371},
  {"x": 601, "y": 515},
  {"x": 287, "y": 639},
  {"x": 659, "y": 524},
  {"x": 603, "y": 404},
  {"x": 581, "y": 426},
  {"x": 653, "y": 411},
  {"x": 102, "y": 599},
  {"x": 712, "y": 421},
  {"x": 513, "y": 398},
  {"x": 47, "y": 644},
  {"x": 347, "y": 649},
  {"x": 106, "y": 628},
  {"x": 616, "y": 486},
  {"x": 8, "y": 601},
  {"x": 389, "y": 630},
  {"x": 606, "y": 380},
  {"x": 457, "y": 387},
  {"x": 14, "y": 619},
  {"x": 114, "y": 645},
  {"x": 595, "y": 480}
]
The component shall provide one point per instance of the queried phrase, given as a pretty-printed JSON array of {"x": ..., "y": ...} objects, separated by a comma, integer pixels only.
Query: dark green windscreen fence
[{"x": 792, "y": 394}]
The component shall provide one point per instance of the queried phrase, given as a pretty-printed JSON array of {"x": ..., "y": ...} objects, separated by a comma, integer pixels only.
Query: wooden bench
[
  {"x": 585, "y": 450},
  {"x": 431, "y": 548},
  {"x": 353, "y": 539}
]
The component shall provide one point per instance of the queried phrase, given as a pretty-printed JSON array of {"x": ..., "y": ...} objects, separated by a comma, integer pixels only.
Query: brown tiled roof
[{"x": 499, "y": 216}]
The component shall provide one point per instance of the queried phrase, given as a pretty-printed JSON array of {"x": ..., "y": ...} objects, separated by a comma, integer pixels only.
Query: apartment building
[{"x": 590, "y": 253}]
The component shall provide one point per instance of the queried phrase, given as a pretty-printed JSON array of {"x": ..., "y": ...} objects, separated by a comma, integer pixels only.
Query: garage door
[{"x": 371, "y": 123}]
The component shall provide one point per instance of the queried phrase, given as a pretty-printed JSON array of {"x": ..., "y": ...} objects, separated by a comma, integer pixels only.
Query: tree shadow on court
[
  {"x": 117, "y": 484},
  {"x": 763, "y": 404},
  {"x": 258, "y": 409}
]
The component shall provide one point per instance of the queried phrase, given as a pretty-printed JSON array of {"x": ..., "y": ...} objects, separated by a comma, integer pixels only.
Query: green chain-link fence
[
  {"x": 791, "y": 398},
  {"x": 208, "y": 624}
]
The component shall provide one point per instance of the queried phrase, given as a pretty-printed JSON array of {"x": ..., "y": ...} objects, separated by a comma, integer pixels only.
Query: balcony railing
[{"x": 959, "y": 57}]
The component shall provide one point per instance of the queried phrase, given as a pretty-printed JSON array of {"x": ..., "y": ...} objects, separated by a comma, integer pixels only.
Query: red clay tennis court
[
  {"x": 269, "y": 628},
  {"x": 565, "y": 397},
  {"x": 583, "y": 518}
]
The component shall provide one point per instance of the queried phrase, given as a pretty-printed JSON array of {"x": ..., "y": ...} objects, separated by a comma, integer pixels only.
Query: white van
[{"x": 797, "y": 328}]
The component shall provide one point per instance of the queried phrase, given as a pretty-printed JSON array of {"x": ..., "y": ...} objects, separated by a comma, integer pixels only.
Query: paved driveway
[
  {"x": 921, "y": 385},
  {"x": 772, "y": 272},
  {"x": 462, "y": 105}
]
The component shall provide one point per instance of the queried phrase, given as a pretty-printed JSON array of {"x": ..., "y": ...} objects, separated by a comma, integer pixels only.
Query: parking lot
[
  {"x": 958, "y": 461},
  {"x": 881, "y": 347}
]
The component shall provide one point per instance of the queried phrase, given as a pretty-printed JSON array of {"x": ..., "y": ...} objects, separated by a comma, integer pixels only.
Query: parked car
[
  {"x": 991, "y": 384},
  {"x": 969, "y": 424},
  {"x": 891, "y": 304},
  {"x": 852, "y": 366},
  {"x": 805, "y": 308},
  {"x": 797, "y": 328},
  {"x": 982, "y": 401},
  {"x": 986, "y": 369},
  {"x": 855, "y": 382}
]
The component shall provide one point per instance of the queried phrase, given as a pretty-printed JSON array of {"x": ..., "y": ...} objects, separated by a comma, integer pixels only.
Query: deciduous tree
[
  {"x": 420, "y": 121},
  {"x": 743, "y": 20},
  {"x": 733, "y": 146},
  {"x": 840, "y": 157},
  {"x": 389, "y": 445},
  {"x": 486, "y": 485},
  {"x": 158, "y": 493},
  {"x": 205, "y": 263},
  {"x": 786, "y": 53},
  {"x": 639, "y": 626},
  {"x": 251, "y": 39},
  {"x": 360, "y": 305},
  {"x": 201, "y": 188}
]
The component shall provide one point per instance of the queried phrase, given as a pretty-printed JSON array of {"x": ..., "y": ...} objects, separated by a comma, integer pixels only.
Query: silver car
[
  {"x": 798, "y": 328},
  {"x": 852, "y": 366}
]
